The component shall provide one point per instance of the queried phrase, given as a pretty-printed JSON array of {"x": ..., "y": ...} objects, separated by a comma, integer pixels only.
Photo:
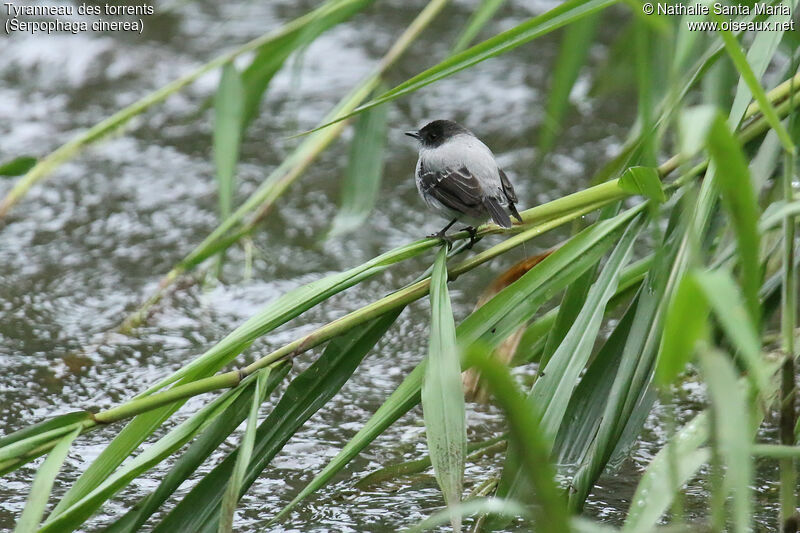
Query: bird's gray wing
[
  {"x": 457, "y": 189},
  {"x": 511, "y": 195},
  {"x": 507, "y": 187}
]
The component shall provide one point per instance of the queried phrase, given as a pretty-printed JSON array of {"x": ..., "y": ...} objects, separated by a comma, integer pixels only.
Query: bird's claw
[{"x": 473, "y": 236}]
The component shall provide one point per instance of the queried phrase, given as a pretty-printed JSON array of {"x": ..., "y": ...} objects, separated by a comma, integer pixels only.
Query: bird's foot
[
  {"x": 473, "y": 236},
  {"x": 447, "y": 241}
]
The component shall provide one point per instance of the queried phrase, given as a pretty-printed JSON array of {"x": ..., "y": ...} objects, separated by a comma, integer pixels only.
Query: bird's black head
[{"x": 435, "y": 133}]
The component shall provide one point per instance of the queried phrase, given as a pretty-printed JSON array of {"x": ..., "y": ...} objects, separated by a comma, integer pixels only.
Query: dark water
[{"x": 87, "y": 245}]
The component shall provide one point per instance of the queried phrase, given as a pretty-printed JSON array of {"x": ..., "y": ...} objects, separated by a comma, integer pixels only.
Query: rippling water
[{"x": 87, "y": 245}]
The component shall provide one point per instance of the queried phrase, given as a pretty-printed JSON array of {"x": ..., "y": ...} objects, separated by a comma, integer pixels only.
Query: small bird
[{"x": 458, "y": 177}]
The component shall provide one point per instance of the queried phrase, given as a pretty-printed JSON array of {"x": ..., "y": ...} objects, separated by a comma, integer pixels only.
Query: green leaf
[
  {"x": 307, "y": 393},
  {"x": 442, "y": 398},
  {"x": 693, "y": 125},
  {"x": 243, "y": 455},
  {"x": 17, "y": 166},
  {"x": 476, "y": 22},
  {"x": 487, "y": 506},
  {"x": 686, "y": 324},
  {"x": 740, "y": 61},
  {"x": 634, "y": 373},
  {"x": 586, "y": 406},
  {"x": 60, "y": 422},
  {"x": 362, "y": 181},
  {"x": 725, "y": 298},
  {"x": 542, "y": 282},
  {"x": 739, "y": 200},
  {"x": 732, "y": 437},
  {"x": 566, "y": 13},
  {"x": 759, "y": 56},
  {"x": 43, "y": 484},
  {"x": 572, "y": 54},
  {"x": 517, "y": 303},
  {"x": 527, "y": 436},
  {"x": 645, "y": 181},
  {"x": 186, "y": 465},
  {"x": 660, "y": 482},
  {"x": 70, "y": 514},
  {"x": 228, "y": 114},
  {"x": 552, "y": 391}
]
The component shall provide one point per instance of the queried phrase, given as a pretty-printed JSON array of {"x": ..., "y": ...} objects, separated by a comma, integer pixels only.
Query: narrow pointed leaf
[
  {"x": 228, "y": 116},
  {"x": 442, "y": 398},
  {"x": 528, "y": 439},
  {"x": 732, "y": 433},
  {"x": 574, "y": 49},
  {"x": 645, "y": 181},
  {"x": 739, "y": 199},
  {"x": 686, "y": 324},
  {"x": 198, "y": 452},
  {"x": 734, "y": 50},
  {"x": 17, "y": 166},
  {"x": 243, "y": 455},
  {"x": 305, "y": 396},
  {"x": 477, "y": 21},
  {"x": 362, "y": 181},
  {"x": 43, "y": 484}
]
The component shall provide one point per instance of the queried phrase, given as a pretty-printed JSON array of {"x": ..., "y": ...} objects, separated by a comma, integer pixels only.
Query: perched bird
[{"x": 458, "y": 177}]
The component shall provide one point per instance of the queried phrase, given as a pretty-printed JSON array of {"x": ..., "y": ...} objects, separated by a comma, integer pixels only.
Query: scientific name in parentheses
[{"x": 759, "y": 8}]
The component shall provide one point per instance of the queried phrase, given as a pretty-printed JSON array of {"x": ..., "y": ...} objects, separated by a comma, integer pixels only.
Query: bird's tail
[
  {"x": 514, "y": 211},
  {"x": 497, "y": 212}
]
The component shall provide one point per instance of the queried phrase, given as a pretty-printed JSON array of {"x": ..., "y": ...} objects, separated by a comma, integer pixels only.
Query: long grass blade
[
  {"x": 70, "y": 517},
  {"x": 228, "y": 116},
  {"x": 43, "y": 484},
  {"x": 305, "y": 395},
  {"x": 730, "y": 309},
  {"x": 243, "y": 455},
  {"x": 739, "y": 199},
  {"x": 17, "y": 166},
  {"x": 734, "y": 51},
  {"x": 228, "y": 119},
  {"x": 476, "y": 22},
  {"x": 530, "y": 443},
  {"x": 198, "y": 452},
  {"x": 442, "y": 399},
  {"x": 759, "y": 56},
  {"x": 732, "y": 438},
  {"x": 635, "y": 369},
  {"x": 552, "y": 391},
  {"x": 659, "y": 483},
  {"x": 362, "y": 181},
  {"x": 560, "y": 16},
  {"x": 572, "y": 54},
  {"x": 686, "y": 323}
]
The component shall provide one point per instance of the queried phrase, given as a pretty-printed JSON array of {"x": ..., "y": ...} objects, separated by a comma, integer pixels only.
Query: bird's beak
[{"x": 414, "y": 134}]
